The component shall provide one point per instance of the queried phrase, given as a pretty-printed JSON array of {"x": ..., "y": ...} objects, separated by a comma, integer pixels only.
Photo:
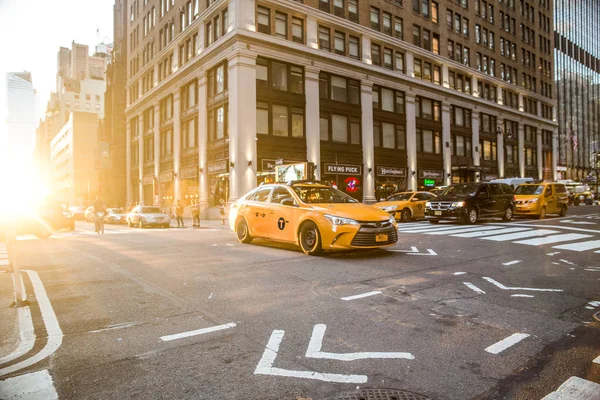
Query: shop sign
[
  {"x": 147, "y": 180},
  {"x": 429, "y": 174},
  {"x": 559, "y": 168},
  {"x": 395, "y": 172},
  {"x": 166, "y": 176},
  {"x": 429, "y": 182},
  {"x": 341, "y": 169},
  {"x": 189, "y": 172},
  {"x": 489, "y": 177},
  {"x": 268, "y": 164},
  {"x": 218, "y": 167}
]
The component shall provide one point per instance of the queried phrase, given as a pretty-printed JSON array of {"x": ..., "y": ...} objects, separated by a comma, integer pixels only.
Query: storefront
[
  {"x": 389, "y": 180},
  {"x": 267, "y": 172},
  {"x": 465, "y": 173},
  {"x": 189, "y": 185},
  {"x": 148, "y": 181},
  {"x": 166, "y": 191},
  {"x": 428, "y": 179},
  {"x": 218, "y": 178},
  {"x": 346, "y": 177}
]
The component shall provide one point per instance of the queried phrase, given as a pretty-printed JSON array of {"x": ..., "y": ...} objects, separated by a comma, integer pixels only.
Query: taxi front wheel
[
  {"x": 242, "y": 232},
  {"x": 310, "y": 239}
]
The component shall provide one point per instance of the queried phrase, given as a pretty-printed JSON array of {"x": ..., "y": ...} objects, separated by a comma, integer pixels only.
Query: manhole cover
[{"x": 381, "y": 394}]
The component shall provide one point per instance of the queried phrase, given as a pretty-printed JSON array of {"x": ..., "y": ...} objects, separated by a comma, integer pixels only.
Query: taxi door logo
[
  {"x": 351, "y": 184},
  {"x": 281, "y": 224}
]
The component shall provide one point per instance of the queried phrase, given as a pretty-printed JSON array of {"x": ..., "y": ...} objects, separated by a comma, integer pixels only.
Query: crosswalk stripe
[
  {"x": 431, "y": 229},
  {"x": 553, "y": 239},
  {"x": 463, "y": 229},
  {"x": 581, "y": 246},
  {"x": 408, "y": 228},
  {"x": 489, "y": 232},
  {"x": 520, "y": 235},
  {"x": 411, "y": 224}
]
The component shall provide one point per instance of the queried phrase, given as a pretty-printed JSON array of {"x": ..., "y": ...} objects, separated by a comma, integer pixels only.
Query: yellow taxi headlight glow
[
  {"x": 340, "y": 221},
  {"x": 388, "y": 208},
  {"x": 392, "y": 219},
  {"x": 428, "y": 204}
]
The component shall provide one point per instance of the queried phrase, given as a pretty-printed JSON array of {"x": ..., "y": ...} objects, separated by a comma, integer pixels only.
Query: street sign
[{"x": 429, "y": 182}]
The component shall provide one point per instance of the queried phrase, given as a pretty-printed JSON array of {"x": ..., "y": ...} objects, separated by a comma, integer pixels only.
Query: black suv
[{"x": 467, "y": 202}]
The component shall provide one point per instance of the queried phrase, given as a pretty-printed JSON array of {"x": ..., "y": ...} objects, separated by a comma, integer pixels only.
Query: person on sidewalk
[
  {"x": 196, "y": 215},
  {"x": 222, "y": 211},
  {"x": 179, "y": 214}
]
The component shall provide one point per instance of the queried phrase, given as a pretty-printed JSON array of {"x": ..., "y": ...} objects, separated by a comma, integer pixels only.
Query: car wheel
[
  {"x": 508, "y": 214},
  {"x": 129, "y": 223},
  {"x": 405, "y": 215},
  {"x": 434, "y": 221},
  {"x": 310, "y": 239},
  {"x": 141, "y": 224},
  {"x": 242, "y": 232},
  {"x": 542, "y": 213},
  {"x": 471, "y": 217},
  {"x": 563, "y": 211}
]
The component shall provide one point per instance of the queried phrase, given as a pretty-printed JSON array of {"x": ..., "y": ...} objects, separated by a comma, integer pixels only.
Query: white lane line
[
  {"x": 27, "y": 335},
  {"x": 36, "y": 385},
  {"x": 316, "y": 343},
  {"x": 520, "y": 235},
  {"x": 55, "y": 334},
  {"x": 402, "y": 227},
  {"x": 197, "y": 332},
  {"x": 265, "y": 366},
  {"x": 473, "y": 287},
  {"x": 489, "y": 232},
  {"x": 503, "y": 287},
  {"x": 521, "y": 295},
  {"x": 463, "y": 229},
  {"x": 580, "y": 246},
  {"x": 553, "y": 239},
  {"x": 431, "y": 229},
  {"x": 597, "y": 360},
  {"x": 553, "y": 254},
  {"x": 511, "y": 262},
  {"x": 506, "y": 343},
  {"x": 570, "y": 228},
  {"x": 360, "y": 296},
  {"x": 581, "y": 223},
  {"x": 459, "y": 273}
]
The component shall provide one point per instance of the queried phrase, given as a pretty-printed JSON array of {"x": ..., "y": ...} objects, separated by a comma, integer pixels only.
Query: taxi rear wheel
[
  {"x": 405, "y": 215},
  {"x": 542, "y": 213},
  {"x": 242, "y": 232},
  {"x": 310, "y": 239},
  {"x": 563, "y": 211}
]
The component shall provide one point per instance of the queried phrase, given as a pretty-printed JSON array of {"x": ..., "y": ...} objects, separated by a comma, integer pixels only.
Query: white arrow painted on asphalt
[
  {"x": 265, "y": 366},
  {"x": 503, "y": 287},
  {"x": 511, "y": 262},
  {"x": 316, "y": 343},
  {"x": 415, "y": 252}
]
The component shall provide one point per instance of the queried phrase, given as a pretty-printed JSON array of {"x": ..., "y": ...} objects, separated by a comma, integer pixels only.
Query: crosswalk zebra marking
[
  {"x": 553, "y": 239},
  {"x": 580, "y": 246},
  {"x": 519, "y": 235},
  {"x": 490, "y": 232},
  {"x": 462, "y": 229},
  {"x": 428, "y": 229}
]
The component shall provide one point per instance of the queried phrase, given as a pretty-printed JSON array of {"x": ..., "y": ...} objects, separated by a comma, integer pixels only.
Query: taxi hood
[
  {"x": 390, "y": 203},
  {"x": 356, "y": 211}
]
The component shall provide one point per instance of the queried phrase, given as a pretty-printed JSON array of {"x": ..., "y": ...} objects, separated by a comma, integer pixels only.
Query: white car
[
  {"x": 115, "y": 216},
  {"x": 146, "y": 216}
]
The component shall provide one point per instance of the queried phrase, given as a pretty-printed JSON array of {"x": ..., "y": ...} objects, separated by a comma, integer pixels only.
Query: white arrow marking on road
[
  {"x": 553, "y": 254},
  {"x": 360, "y": 296},
  {"x": 501, "y": 286},
  {"x": 415, "y": 252},
  {"x": 197, "y": 332},
  {"x": 265, "y": 366},
  {"x": 316, "y": 343},
  {"x": 473, "y": 287},
  {"x": 506, "y": 343},
  {"x": 431, "y": 253},
  {"x": 413, "y": 249},
  {"x": 593, "y": 269},
  {"x": 511, "y": 262},
  {"x": 597, "y": 360},
  {"x": 459, "y": 273},
  {"x": 521, "y": 295}
]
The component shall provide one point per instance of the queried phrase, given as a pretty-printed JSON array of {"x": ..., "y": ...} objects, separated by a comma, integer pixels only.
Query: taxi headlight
[
  {"x": 428, "y": 204},
  {"x": 388, "y": 208},
  {"x": 392, "y": 219},
  {"x": 534, "y": 200},
  {"x": 340, "y": 221},
  {"x": 458, "y": 204}
]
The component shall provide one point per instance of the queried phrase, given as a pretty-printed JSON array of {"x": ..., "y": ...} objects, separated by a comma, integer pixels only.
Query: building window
[
  {"x": 324, "y": 38},
  {"x": 281, "y": 25},
  {"x": 264, "y": 20},
  {"x": 297, "y": 30}
]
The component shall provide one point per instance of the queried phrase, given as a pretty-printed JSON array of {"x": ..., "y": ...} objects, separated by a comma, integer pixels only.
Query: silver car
[
  {"x": 146, "y": 216},
  {"x": 115, "y": 216}
]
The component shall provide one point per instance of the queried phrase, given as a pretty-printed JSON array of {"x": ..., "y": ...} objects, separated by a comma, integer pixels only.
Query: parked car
[
  {"x": 467, "y": 202},
  {"x": 146, "y": 216},
  {"x": 77, "y": 212},
  {"x": 513, "y": 182},
  {"x": 406, "y": 205},
  {"x": 541, "y": 199},
  {"x": 89, "y": 214},
  {"x": 115, "y": 216}
]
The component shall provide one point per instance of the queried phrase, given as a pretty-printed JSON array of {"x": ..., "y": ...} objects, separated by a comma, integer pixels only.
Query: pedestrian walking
[
  {"x": 196, "y": 215},
  {"x": 222, "y": 210},
  {"x": 179, "y": 214}
]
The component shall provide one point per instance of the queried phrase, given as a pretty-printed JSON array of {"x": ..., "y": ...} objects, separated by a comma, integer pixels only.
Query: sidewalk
[{"x": 204, "y": 223}]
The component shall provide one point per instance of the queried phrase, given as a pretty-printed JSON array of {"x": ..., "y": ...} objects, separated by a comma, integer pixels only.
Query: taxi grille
[{"x": 368, "y": 232}]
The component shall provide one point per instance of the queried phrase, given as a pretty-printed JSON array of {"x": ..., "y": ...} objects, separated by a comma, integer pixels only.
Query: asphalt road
[{"x": 499, "y": 310}]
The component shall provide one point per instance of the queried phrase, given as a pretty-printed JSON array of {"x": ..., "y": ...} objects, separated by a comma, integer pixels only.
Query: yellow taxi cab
[
  {"x": 540, "y": 199},
  {"x": 312, "y": 215},
  {"x": 406, "y": 205}
]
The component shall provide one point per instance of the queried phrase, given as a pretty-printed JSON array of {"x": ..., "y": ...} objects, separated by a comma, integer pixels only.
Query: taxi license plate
[
  {"x": 381, "y": 237},
  {"x": 437, "y": 213}
]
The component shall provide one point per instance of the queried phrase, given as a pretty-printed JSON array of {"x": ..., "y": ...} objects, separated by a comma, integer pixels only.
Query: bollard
[{"x": 13, "y": 266}]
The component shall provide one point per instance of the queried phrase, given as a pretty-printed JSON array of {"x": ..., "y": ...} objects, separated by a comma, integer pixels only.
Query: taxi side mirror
[{"x": 288, "y": 202}]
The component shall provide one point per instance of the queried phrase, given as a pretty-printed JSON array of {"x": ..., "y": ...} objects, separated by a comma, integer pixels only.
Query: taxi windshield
[
  {"x": 461, "y": 190},
  {"x": 530, "y": 189},
  {"x": 400, "y": 197},
  {"x": 317, "y": 195}
]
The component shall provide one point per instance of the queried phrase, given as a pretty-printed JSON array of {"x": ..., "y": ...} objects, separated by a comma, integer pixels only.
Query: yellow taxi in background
[
  {"x": 406, "y": 205},
  {"x": 312, "y": 215},
  {"x": 539, "y": 199}
]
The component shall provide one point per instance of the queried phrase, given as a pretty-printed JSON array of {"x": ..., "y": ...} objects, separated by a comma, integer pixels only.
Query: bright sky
[{"x": 33, "y": 31}]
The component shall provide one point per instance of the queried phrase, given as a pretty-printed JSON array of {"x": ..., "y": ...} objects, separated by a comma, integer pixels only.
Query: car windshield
[
  {"x": 115, "y": 211},
  {"x": 320, "y": 195},
  {"x": 461, "y": 190},
  {"x": 151, "y": 210},
  {"x": 400, "y": 197},
  {"x": 529, "y": 189}
]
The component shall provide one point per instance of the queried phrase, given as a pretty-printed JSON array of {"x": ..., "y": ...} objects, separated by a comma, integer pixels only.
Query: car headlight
[
  {"x": 388, "y": 208},
  {"x": 458, "y": 204},
  {"x": 428, "y": 204},
  {"x": 535, "y": 200},
  {"x": 340, "y": 221},
  {"x": 392, "y": 219}
]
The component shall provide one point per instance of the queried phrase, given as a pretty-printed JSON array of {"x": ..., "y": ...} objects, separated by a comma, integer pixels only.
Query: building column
[
  {"x": 313, "y": 136},
  {"x": 540, "y": 155},
  {"x": 521, "y": 150},
  {"x": 202, "y": 142},
  {"x": 445, "y": 80},
  {"x": 366, "y": 50},
  {"x": 156, "y": 133},
  {"x": 368, "y": 149},
  {"x": 521, "y": 102},
  {"x": 312, "y": 28},
  {"x": 410, "y": 63},
  {"x": 242, "y": 123},
  {"x": 411, "y": 141},
  {"x": 141, "y": 157},
  {"x": 555, "y": 154},
  {"x": 128, "y": 161},
  {"x": 475, "y": 143},
  {"x": 177, "y": 145},
  {"x": 446, "y": 140},
  {"x": 475, "y": 86},
  {"x": 499, "y": 95},
  {"x": 244, "y": 14},
  {"x": 500, "y": 148}
]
